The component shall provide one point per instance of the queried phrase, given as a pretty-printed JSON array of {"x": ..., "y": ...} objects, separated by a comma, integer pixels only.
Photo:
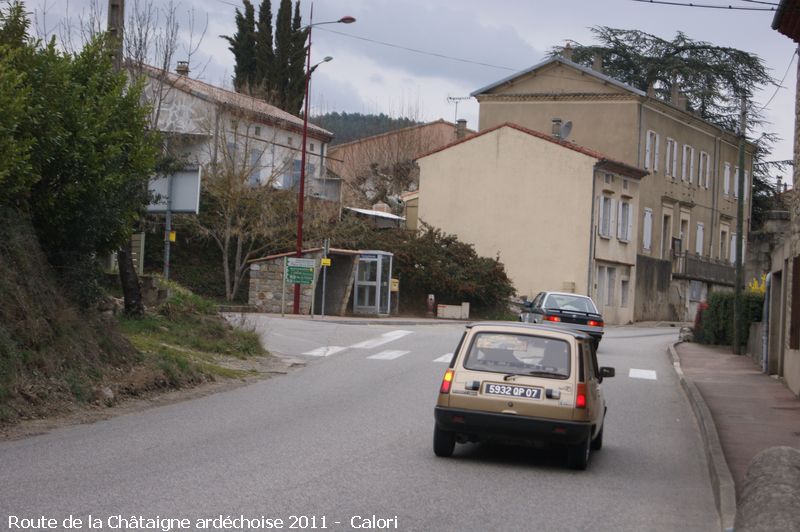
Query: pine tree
[
  {"x": 284, "y": 44},
  {"x": 243, "y": 46},
  {"x": 265, "y": 56},
  {"x": 295, "y": 89}
]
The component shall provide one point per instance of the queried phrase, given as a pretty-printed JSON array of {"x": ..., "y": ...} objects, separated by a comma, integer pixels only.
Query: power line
[
  {"x": 422, "y": 52},
  {"x": 707, "y": 6},
  {"x": 780, "y": 85},
  {"x": 760, "y": 2}
]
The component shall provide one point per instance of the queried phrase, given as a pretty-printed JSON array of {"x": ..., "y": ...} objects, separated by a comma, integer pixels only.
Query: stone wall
[{"x": 266, "y": 281}]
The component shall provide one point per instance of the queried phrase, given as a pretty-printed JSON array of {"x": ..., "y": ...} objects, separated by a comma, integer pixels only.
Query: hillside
[{"x": 348, "y": 127}]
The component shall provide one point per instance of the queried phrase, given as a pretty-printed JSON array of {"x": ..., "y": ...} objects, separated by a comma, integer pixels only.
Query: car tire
[
  {"x": 597, "y": 442},
  {"x": 444, "y": 442},
  {"x": 578, "y": 455}
]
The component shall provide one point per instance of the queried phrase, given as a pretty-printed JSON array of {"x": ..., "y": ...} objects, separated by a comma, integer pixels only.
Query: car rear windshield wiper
[{"x": 541, "y": 373}]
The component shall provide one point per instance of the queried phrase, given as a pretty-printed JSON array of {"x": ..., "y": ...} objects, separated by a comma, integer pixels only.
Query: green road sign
[{"x": 300, "y": 271}]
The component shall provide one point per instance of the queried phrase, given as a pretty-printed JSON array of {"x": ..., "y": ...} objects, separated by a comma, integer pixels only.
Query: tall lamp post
[{"x": 301, "y": 191}]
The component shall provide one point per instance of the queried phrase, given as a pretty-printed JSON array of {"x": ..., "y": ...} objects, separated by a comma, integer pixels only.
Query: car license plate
[{"x": 509, "y": 390}]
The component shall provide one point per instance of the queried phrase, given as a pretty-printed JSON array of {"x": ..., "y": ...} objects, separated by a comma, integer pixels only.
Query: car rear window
[{"x": 519, "y": 354}]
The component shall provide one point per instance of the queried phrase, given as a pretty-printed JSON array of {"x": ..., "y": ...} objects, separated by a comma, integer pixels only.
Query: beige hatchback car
[{"x": 522, "y": 384}]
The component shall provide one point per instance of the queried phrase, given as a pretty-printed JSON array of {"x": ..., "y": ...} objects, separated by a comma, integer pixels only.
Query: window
[
  {"x": 257, "y": 131},
  {"x": 608, "y": 179},
  {"x": 601, "y": 285},
  {"x": 290, "y": 141},
  {"x": 612, "y": 274},
  {"x": 695, "y": 290},
  {"x": 687, "y": 170},
  {"x": 623, "y": 293},
  {"x": 733, "y": 248},
  {"x": 735, "y": 181},
  {"x": 726, "y": 180},
  {"x": 606, "y": 210},
  {"x": 624, "y": 222},
  {"x": 647, "y": 230},
  {"x": 255, "y": 168},
  {"x": 703, "y": 170},
  {"x": 698, "y": 245},
  {"x": 311, "y": 147},
  {"x": 671, "y": 160},
  {"x": 723, "y": 244},
  {"x": 625, "y": 184},
  {"x": 666, "y": 236},
  {"x": 651, "y": 151}
]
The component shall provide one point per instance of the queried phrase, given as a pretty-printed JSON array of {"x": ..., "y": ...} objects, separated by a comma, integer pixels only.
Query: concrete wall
[
  {"x": 653, "y": 280},
  {"x": 509, "y": 194}
]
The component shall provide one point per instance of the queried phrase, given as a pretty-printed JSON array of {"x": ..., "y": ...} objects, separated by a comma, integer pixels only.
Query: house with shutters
[
  {"x": 686, "y": 214},
  {"x": 204, "y": 124},
  {"x": 559, "y": 216}
]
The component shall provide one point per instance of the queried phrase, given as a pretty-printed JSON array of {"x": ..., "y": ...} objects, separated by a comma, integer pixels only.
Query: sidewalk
[{"x": 744, "y": 412}]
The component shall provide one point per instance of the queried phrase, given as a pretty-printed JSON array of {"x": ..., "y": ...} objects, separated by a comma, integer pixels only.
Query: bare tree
[{"x": 242, "y": 211}]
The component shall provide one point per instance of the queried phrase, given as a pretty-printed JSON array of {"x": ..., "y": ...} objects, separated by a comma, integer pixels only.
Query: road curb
[{"x": 721, "y": 478}]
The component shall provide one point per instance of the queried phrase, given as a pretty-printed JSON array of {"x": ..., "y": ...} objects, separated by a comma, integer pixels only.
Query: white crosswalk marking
[
  {"x": 445, "y": 358},
  {"x": 324, "y": 351},
  {"x": 642, "y": 374},
  {"x": 382, "y": 339},
  {"x": 388, "y": 355}
]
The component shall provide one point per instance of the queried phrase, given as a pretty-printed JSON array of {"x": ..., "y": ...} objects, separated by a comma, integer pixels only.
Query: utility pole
[
  {"x": 116, "y": 25},
  {"x": 738, "y": 287}
]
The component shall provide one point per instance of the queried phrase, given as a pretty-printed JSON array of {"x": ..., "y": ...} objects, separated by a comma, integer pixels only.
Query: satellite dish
[{"x": 566, "y": 129}]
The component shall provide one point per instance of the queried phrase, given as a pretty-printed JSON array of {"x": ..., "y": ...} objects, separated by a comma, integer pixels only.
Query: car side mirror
[{"x": 606, "y": 371}]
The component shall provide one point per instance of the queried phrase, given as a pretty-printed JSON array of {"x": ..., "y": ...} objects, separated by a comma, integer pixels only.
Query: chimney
[
  {"x": 461, "y": 128},
  {"x": 566, "y": 52},
  {"x": 182, "y": 68},
  {"x": 676, "y": 97},
  {"x": 557, "y": 128},
  {"x": 651, "y": 89},
  {"x": 597, "y": 62},
  {"x": 778, "y": 188}
]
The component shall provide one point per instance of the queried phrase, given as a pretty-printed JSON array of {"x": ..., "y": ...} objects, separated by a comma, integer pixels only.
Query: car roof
[{"x": 528, "y": 327}]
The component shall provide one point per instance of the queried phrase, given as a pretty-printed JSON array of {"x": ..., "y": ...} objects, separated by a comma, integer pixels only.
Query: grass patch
[{"x": 186, "y": 339}]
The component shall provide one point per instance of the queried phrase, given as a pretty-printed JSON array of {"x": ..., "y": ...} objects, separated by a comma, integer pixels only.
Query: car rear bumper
[{"x": 476, "y": 426}]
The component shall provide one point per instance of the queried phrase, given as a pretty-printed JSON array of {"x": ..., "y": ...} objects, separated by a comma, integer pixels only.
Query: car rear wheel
[
  {"x": 578, "y": 455},
  {"x": 597, "y": 442},
  {"x": 444, "y": 442}
]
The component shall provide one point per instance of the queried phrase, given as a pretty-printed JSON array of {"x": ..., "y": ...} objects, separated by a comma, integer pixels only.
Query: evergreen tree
[
  {"x": 295, "y": 89},
  {"x": 284, "y": 44},
  {"x": 264, "y": 87},
  {"x": 243, "y": 46}
]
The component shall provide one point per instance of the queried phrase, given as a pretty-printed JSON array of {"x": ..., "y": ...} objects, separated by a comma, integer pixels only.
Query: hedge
[{"x": 716, "y": 323}]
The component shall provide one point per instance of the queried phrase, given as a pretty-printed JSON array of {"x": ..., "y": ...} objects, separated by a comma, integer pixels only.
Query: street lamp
[{"x": 301, "y": 191}]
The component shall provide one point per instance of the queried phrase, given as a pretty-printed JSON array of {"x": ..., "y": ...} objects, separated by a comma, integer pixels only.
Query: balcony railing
[{"x": 688, "y": 265}]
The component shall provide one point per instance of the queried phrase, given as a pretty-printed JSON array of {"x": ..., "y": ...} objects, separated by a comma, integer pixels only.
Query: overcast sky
[{"x": 481, "y": 41}]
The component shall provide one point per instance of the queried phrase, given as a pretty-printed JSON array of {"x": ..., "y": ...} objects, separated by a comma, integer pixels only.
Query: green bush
[{"x": 718, "y": 319}]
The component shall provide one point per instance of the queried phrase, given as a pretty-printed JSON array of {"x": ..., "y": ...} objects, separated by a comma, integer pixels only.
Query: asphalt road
[{"x": 349, "y": 437}]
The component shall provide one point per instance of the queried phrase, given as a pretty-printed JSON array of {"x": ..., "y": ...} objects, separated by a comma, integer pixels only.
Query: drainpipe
[
  {"x": 591, "y": 235},
  {"x": 765, "y": 328}
]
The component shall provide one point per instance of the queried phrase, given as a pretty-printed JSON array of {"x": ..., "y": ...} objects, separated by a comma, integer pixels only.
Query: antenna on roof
[{"x": 455, "y": 100}]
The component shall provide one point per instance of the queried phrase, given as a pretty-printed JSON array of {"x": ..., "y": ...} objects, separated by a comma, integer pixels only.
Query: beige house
[
  {"x": 559, "y": 216},
  {"x": 380, "y": 168},
  {"x": 686, "y": 218}
]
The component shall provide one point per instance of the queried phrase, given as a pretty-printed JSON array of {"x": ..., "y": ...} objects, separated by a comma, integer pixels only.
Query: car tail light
[
  {"x": 595, "y": 323},
  {"x": 580, "y": 401},
  {"x": 551, "y": 318},
  {"x": 446, "y": 381}
]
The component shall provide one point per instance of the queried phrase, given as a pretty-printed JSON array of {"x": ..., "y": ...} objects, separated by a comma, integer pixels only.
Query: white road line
[
  {"x": 324, "y": 351},
  {"x": 445, "y": 358},
  {"x": 382, "y": 339},
  {"x": 388, "y": 355},
  {"x": 642, "y": 374}
]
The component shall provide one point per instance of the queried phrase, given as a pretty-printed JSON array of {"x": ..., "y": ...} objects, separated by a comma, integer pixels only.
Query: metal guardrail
[{"x": 688, "y": 265}]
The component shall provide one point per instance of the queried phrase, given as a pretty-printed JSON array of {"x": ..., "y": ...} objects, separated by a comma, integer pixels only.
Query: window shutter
[
  {"x": 733, "y": 247},
  {"x": 647, "y": 233},
  {"x": 648, "y": 149},
  {"x": 629, "y": 234},
  {"x": 620, "y": 234},
  {"x": 691, "y": 165},
  {"x": 655, "y": 159},
  {"x": 674, "y": 159},
  {"x": 735, "y": 181},
  {"x": 726, "y": 185},
  {"x": 746, "y": 180},
  {"x": 613, "y": 222},
  {"x": 708, "y": 170},
  {"x": 699, "y": 241}
]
